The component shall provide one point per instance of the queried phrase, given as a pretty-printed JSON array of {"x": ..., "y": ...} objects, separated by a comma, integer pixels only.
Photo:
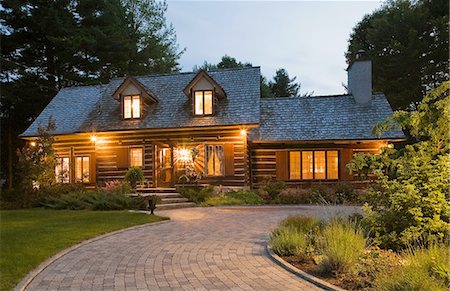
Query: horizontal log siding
[
  {"x": 106, "y": 145},
  {"x": 263, "y": 158}
]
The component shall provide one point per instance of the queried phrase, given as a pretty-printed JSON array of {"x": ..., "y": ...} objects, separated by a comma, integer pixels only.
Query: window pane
[
  {"x": 294, "y": 165},
  {"x": 65, "y": 170},
  {"x": 199, "y": 103},
  {"x": 208, "y": 102},
  {"x": 307, "y": 165},
  {"x": 209, "y": 160},
  {"x": 136, "y": 157},
  {"x": 136, "y": 107},
  {"x": 86, "y": 169},
  {"x": 78, "y": 169},
  {"x": 332, "y": 164},
  {"x": 58, "y": 170},
  {"x": 319, "y": 165},
  {"x": 218, "y": 161},
  {"x": 127, "y": 107}
]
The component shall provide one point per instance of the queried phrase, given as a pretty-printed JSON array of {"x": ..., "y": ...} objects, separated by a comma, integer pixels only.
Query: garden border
[
  {"x": 23, "y": 284},
  {"x": 310, "y": 278}
]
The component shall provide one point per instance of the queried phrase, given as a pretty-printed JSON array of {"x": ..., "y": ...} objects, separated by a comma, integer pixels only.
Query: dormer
[
  {"x": 203, "y": 92},
  {"x": 134, "y": 99}
]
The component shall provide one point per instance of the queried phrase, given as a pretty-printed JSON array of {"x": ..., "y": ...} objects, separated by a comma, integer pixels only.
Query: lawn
[{"x": 28, "y": 237}]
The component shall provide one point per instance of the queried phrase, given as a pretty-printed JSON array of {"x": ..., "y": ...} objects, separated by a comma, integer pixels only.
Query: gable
[
  {"x": 203, "y": 81},
  {"x": 131, "y": 86}
]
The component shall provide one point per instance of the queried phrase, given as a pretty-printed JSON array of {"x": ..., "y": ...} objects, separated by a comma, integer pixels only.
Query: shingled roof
[
  {"x": 317, "y": 118},
  {"x": 89, "y": 108}
]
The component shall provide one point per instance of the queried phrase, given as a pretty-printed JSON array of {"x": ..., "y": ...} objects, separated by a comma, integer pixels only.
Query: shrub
[
  {"x": 117, "y": 187},
  {"x": 221, "y": 200},
  {"x": 301, "y": 223},
  {"x": 196, "y": 194},
  {"x": 423, "y": 269},
  {"x": 288, "y": 241},
  {"x": 293, "y": 196},
  {"x": 343, "y": 242},
  {"x": 93, "y": 200},
  {"x": 344, "y": 192},
  {"x": 245, "y": 196},
  {"x": 321, "y": 194},
  {"x": 134, "y": 175},
  {"x": 270, "y": 188}
]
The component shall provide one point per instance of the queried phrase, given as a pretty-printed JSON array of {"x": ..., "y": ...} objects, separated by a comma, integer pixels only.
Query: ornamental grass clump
[
  {"x": 288, "y": 241},
  {"x": 342, "y": 244},
  {"x": 426, "y": 269},
  {"x": 303, "y": 224}
]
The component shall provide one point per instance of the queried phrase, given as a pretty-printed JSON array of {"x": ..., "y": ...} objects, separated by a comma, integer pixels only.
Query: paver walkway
[{"x": 200, "y": 249}]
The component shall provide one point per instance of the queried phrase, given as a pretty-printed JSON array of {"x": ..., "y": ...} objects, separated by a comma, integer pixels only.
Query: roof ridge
[{"x": 83, "y": 86}]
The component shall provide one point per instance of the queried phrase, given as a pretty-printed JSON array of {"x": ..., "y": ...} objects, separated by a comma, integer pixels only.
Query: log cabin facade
[{"x": 214, "y": 122}]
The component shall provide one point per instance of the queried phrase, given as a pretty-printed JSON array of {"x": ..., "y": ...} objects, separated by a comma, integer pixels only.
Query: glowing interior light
[{"x": 184, "y": 155}]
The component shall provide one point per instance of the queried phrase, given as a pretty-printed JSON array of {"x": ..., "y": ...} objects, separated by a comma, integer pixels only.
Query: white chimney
[{"x": 360, "y": 78}]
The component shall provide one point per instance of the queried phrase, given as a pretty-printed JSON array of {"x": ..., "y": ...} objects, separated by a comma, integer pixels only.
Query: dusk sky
[{"x": 308, "y": 38}]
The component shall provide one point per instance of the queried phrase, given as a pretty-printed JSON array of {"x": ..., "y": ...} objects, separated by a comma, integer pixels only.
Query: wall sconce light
[
  {"x": 32, "y": 143},
  {"x": 184, "y": 155},
  {"x": 390, "y": 145},
  {"x": 93, "y": 138},
  {"x": 243, "y": 132}
]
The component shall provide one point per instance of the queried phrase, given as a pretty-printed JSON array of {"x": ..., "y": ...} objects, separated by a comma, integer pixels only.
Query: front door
[{"x": 164, "y": 166}]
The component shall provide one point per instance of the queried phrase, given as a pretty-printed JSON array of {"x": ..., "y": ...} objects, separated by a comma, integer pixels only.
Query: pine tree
[{"x": 283, "y": 85}]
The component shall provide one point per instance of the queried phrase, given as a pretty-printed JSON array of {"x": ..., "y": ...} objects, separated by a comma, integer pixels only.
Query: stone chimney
[{"x": 360, "y": 78}]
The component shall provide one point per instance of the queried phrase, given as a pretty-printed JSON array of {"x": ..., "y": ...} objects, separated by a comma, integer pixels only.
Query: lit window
[
  {"x": 82, "y": 171},
  {"x": 203, "y": 102},
  {"x": 62, "y": 170},
  {"x": 294, "y": 165},
  {"x": 136, "y": 157},
  {"x": 214, "y": 160},
  {"x": 131, "y": 107},
  {"x": 307, "y": 165},
  {"x": 317, "y": 165},
  {"x": 332, "y": 165}
]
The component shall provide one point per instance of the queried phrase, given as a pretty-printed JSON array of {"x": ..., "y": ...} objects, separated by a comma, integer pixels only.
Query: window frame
[
  {"x": 203, "y": 99},
  {"x": 205, "y": 166},
  {"x": 131, "y": 108},
  {"x": 313, "y": 163},
  {"x": 130, "y": 156},
  {"x": 75, "y": 168},
  {"x": 59, "y": 164}
]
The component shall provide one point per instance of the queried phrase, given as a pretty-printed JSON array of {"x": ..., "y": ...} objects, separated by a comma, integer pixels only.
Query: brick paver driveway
[{"x": 201, "y": 248}]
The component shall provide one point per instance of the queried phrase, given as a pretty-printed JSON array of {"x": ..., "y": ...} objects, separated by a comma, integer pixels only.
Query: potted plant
[{"x": 133, "y": 176}]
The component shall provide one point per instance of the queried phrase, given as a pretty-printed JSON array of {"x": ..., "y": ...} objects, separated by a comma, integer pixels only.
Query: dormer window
[
  {"x": 131, "y": 107},
  {"x": 203, "y": 102}
]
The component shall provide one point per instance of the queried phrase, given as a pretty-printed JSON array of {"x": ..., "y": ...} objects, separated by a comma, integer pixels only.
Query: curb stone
[
  {"x": 310, "y": 278},
  {"x": 23, "y": 284}
]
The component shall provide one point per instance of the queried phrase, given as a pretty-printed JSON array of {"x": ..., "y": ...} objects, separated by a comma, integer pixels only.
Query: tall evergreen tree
[
  {"x": 51, "y": 44},
  {"x": 283, "y": 85},
  {"x": 408, "y": 43}
]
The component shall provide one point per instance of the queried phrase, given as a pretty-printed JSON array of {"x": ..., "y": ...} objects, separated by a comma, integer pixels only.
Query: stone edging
[
  {"x": 32, "y": 274},
  {"x": 310, "y": 278}
]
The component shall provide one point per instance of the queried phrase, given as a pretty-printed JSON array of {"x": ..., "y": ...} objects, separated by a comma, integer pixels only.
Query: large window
[
  {"x": 136, "y": 157},
  {"x": 203, "y": 102},
  {"x": 131, "y": 107},
  {"x": 62, "y": 170},
  {"x": 82, "y": 169},
  {"x": 214, "y": 163},
  {"x": 314, "y": 165}
]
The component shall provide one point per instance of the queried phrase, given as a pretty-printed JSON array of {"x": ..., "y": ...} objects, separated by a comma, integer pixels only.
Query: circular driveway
[{"x": 218, "y": 248}]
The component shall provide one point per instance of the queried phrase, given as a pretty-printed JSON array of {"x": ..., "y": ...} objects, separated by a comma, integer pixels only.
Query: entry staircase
[{"x": 170, "y": 198}]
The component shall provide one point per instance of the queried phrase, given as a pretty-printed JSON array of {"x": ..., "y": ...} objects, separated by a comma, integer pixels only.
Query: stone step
[
  {"x": 175, "y": 205},
  {"x": 167, "y": 195},
  {"x": 173, "y": 200},
  {"x": 155, "y": 190}
]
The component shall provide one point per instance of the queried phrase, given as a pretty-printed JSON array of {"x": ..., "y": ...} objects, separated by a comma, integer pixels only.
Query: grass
[
  {"x": 422, "y": 269},
  {"x": 343, "y": 243},
  {"x": 239, "y": 197},
  {"x": 288, "y": 241},
  {"x": 28, "y": 237}
]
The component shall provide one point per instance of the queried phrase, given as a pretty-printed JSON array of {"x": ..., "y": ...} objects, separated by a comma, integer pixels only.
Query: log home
[{"x": 217, "y": 123}]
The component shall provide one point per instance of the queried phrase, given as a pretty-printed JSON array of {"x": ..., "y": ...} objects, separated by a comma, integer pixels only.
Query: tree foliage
[
  {"x": 283, "y": 86},
  {"x": 408, "y": 44},
  {"x": 48, "y": 45},
  {"x": 410, "y": 201}
]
